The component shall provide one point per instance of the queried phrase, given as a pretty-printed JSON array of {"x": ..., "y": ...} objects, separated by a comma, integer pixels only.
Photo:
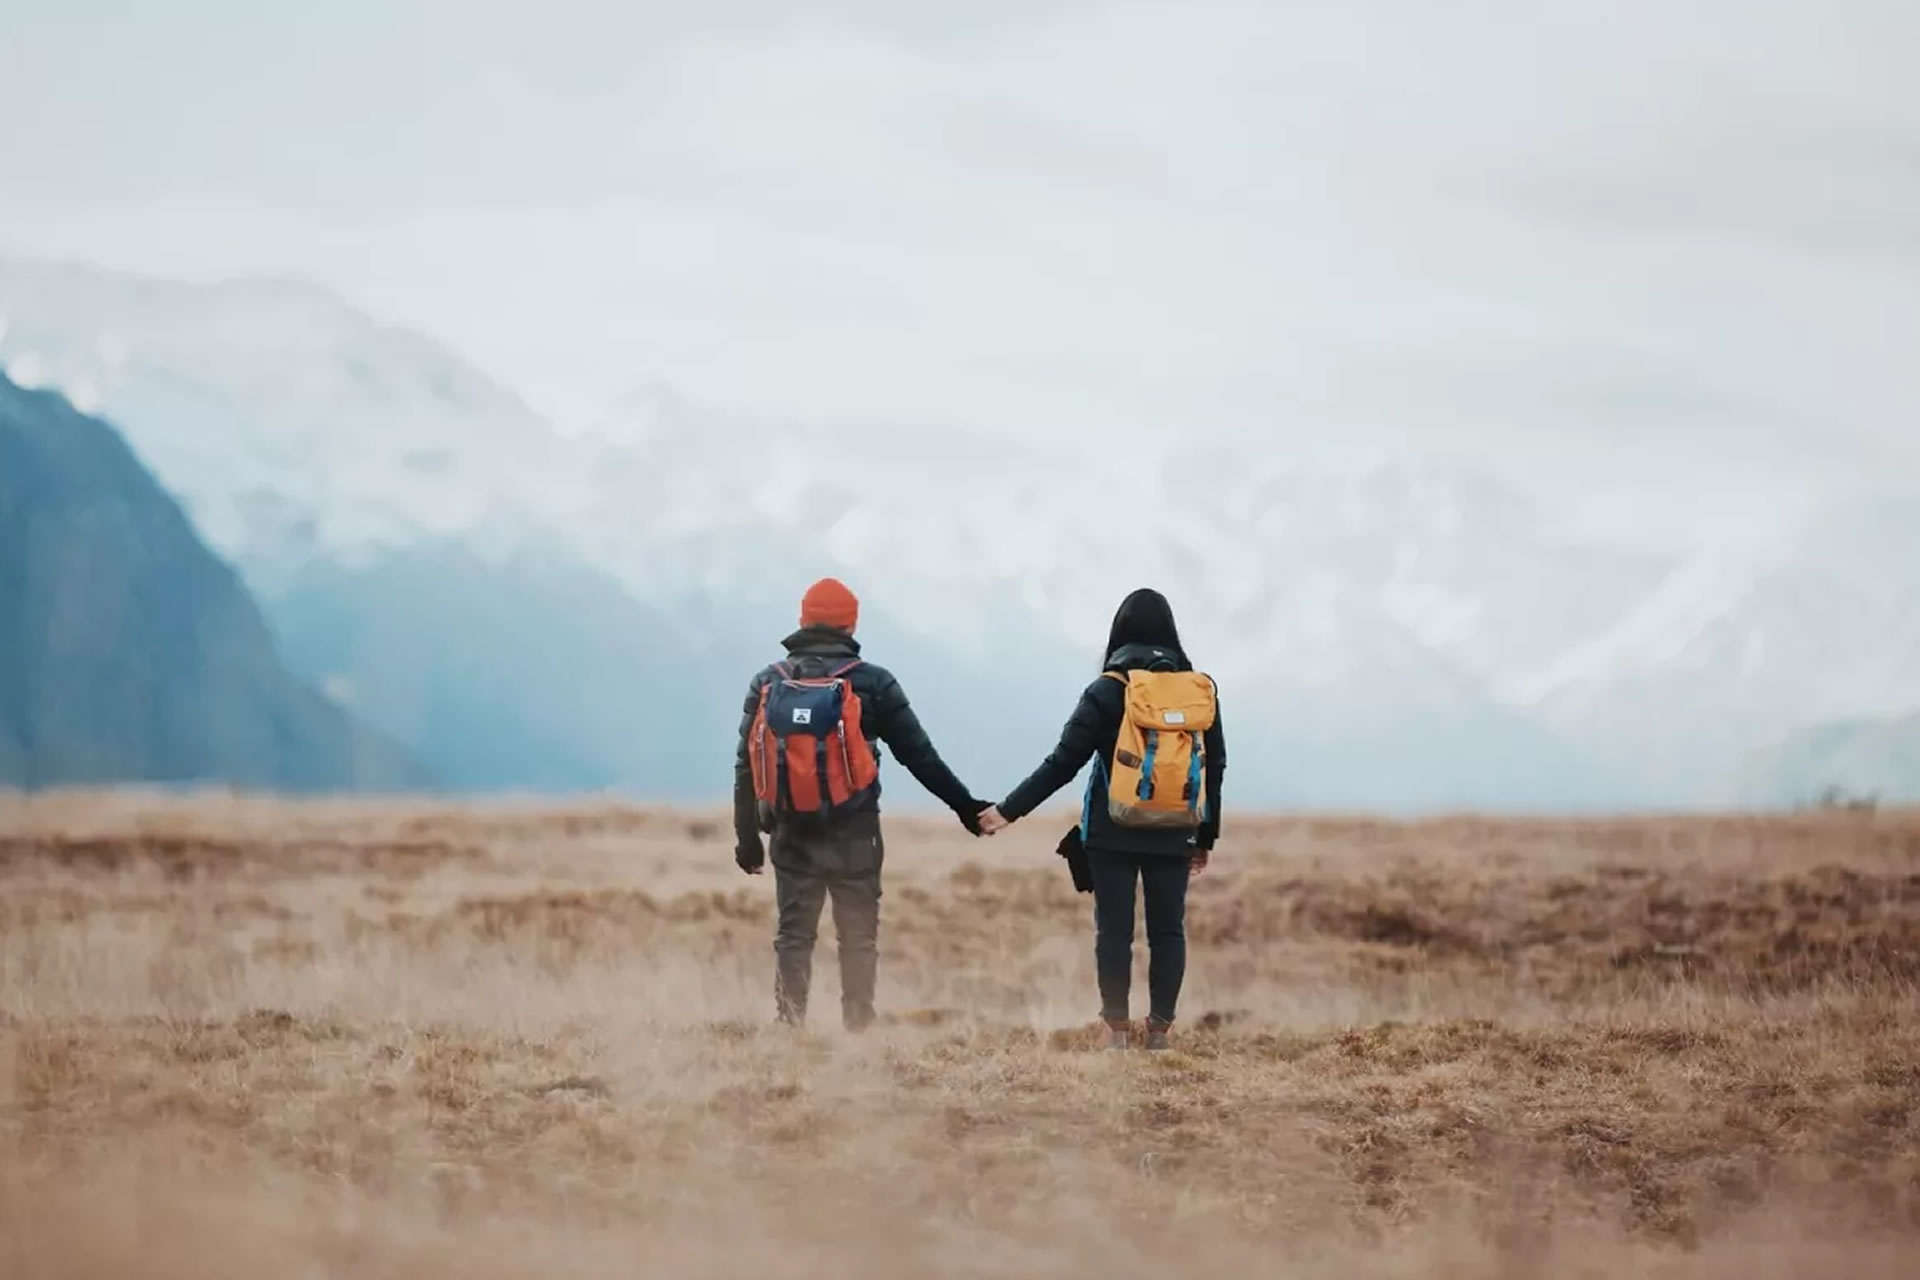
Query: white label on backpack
[
  {"x": 803, "y": 715},
  {"x": 1174, "y": 717}
]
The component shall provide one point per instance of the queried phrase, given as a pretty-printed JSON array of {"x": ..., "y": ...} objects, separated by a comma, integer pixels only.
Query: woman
[{"x": 1143, "y": 636}]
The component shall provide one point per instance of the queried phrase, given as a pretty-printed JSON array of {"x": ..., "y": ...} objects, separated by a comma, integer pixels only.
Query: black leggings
[{"x": 1164, "y": 877}]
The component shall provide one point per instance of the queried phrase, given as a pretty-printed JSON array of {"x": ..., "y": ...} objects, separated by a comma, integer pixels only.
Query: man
[{"x": 827, "y": 845}]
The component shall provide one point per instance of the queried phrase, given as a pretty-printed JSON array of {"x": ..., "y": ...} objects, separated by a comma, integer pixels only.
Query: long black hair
[{"x": 1144, "y": 617}]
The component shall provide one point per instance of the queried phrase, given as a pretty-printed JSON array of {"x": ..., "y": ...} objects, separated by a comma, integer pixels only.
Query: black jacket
[
  {"x": 1091, "y": 732},
  {"x": 885, "y": 716}
]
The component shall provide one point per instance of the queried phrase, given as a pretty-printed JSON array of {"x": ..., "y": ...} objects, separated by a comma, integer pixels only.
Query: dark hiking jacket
[
  {"x": 1089, "y": 735},
  {"x": 885, "y": 717}
]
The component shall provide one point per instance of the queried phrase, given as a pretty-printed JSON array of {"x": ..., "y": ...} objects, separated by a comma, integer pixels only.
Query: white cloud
[{"x": 1637, "y": 244}]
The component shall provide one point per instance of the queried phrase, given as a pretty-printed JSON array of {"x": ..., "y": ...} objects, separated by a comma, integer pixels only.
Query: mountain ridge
[
  {"x": 1387, "y": 591},
  {"x": 131, "y": 652}
]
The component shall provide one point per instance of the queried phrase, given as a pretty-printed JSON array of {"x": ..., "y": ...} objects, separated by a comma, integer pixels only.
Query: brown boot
[
  {"x": 1158, "y": 1040},
  {"x": 1119, "y": 1034}
]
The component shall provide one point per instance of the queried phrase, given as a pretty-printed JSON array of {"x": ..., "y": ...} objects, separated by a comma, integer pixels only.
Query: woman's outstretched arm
[{"x": 1095, "y": 720}]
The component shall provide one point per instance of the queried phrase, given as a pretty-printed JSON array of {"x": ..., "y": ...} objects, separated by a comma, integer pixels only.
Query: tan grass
[{"x": 244, "y": 1036}]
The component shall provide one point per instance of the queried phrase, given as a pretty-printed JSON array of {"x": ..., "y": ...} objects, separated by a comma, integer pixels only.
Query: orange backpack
[
  {"x": 1158, "y": 779},
  {"x": 806, "y": 747}
]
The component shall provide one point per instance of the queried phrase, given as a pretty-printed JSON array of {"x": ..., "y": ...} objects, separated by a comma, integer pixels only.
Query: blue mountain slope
[
  {"x": 128, "y": 650},
  {"x": 537, "y": 673}
]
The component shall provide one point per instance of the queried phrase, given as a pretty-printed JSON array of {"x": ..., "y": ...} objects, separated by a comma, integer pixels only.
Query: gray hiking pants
[{"x": 808, "y": 868}]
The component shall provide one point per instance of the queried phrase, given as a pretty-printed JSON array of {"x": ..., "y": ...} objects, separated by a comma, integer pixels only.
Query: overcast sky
[{"x": 1680, "y": 234}]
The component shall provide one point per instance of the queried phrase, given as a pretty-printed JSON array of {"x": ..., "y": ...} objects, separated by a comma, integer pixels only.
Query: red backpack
[{"x": 806, "y": 747}]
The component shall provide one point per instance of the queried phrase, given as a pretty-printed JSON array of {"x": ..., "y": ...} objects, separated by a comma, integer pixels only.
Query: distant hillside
[
  {"x": 527, "y": 674},
  {"x": 128, "y": 650},
  {"x": 537, "y": 673},
  {"x": 1859, "y": 758}
]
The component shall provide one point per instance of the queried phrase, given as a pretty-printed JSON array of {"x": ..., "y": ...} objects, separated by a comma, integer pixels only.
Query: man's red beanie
[{"x": 828, "y": 603}]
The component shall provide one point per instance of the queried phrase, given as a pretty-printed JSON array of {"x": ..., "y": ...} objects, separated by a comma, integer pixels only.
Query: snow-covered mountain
[
  {"x": 1399, "y": 582},
  {"x": 295, "y": 427},
  {"x": 1719, "y": 661},
  {"x": 1358, "y": 612}
]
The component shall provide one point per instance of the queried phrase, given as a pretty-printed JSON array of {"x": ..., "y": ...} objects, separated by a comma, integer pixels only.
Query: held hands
[
  {"x": 970, "y": 816},
  {"x": 981, "y": 818}
]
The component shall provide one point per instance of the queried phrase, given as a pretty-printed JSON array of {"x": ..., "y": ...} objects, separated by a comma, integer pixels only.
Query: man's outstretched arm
[{"x": 897, "y": 725}]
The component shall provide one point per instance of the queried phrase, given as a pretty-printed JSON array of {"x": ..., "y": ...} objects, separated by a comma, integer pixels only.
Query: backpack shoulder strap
[
  {"x": 1116, "y": 675},
  {"x": 843, "y": 668}
]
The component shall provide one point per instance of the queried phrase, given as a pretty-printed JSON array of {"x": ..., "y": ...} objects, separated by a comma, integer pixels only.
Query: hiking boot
[
  {"x": 1157, "y": 1038},
  {"x": 1119, "y": 1035}
]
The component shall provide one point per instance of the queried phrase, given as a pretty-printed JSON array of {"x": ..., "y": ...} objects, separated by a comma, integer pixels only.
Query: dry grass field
[{"x": 244, "y": 1038}]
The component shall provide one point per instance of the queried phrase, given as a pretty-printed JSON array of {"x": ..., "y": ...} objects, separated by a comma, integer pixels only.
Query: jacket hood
[
  {"x": 1133, "y": 657},
  {"x": 1144, "y": 618},
  {"x": 827, "y": 641}
]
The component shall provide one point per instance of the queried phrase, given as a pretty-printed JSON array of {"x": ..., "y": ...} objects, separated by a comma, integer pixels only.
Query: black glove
[
  {"x": 750, "y": 857},
  {"x": 970, "y": 816}
]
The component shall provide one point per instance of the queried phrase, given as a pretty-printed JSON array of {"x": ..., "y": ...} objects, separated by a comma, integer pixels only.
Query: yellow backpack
[{"x": 1159, "y": 773}]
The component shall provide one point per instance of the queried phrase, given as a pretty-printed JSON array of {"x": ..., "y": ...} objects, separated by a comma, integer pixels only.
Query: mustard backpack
[{"x": 1158, "y": 779}]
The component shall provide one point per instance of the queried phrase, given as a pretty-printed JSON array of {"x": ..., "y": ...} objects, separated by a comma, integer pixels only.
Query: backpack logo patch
[
  {"x": 1174, "y": 717},
  {"x": 803, "y": 715}
]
